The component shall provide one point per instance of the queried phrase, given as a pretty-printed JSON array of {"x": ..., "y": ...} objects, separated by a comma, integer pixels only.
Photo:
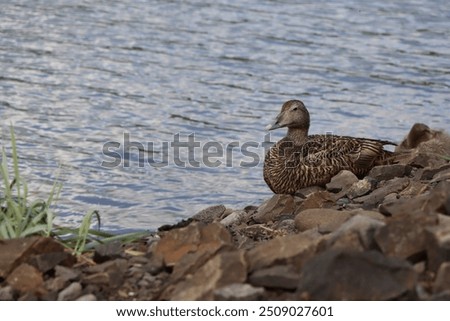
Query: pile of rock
[{"x": 383, "y": 237}]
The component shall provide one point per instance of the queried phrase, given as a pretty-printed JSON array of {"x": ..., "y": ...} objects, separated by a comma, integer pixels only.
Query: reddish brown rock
[
  {"x": 320, "y": 199},
  {"x": 325, "y": 219},
  {"x": 278, "y": 205},
  {"x": 291, "y": 249},
  {"x": 12, "y": 253},
  {"x": 195, "y": 237},
  {"x": 403, "y": 236},
  {"x": 26, "y": 278},
  {"x": 341, "y": 275}
]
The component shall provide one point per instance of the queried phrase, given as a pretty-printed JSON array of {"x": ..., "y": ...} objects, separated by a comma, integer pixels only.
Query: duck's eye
[{"x": 294, "y": 109}]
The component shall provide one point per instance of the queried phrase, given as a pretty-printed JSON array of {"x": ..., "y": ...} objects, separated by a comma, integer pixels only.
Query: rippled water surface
[{"x": 77, "y": 75}]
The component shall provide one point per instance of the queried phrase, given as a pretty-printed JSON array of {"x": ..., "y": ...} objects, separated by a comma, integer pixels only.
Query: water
[{"x": 74, "y": 76}]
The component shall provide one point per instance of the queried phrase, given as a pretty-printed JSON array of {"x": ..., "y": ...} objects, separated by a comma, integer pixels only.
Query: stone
[
  {"x": 70, "y": 293},
  {"x": 87, "y": 297},
  {"x": 66, "y": 273},
  {"x": 307, "y": 191},
  {"x": 277, "y": 206},
  {"x": 109, "y": 272},
  {"x": 47, "y": 261},
  {"x": 320, "y": 199},
  {"x": 325, "y": 219},
  {"x": 376, "y": 197},
  {"x": 437, "y": 245},
  {"x": 100, "y": 278},
  {"x": 341, "y": 275},
  {"x": 195, "y": 237},
  {"x": 442, "y": 282},
  {"x": 26, "y": 278},
  {"x": 12, "y": 253},
  {"x": 361, "y": 187},
  {"x": 209, "y": 214},
  {"x": 277, "y": 276},
  {"x": 55, "y": 284},
  {"x": 404, "y": 236},
  {"x": 290, "y": 249},
  {"x": 388, "y": 172},
  {"x": 341, "y": 182},
  {"x": 355, "y": 234},
  {"x": 368, "y": 213},
  {"x": 238, "y": 292},
  {"x": 107, "y": 251},
  {"x": 223, "y": 269},
  {"x": 6, "y": 293},
  {"x": 286, "y": 226},
  {"x": 235, "y": 218},
  {"x": 441, "y": 176},
  {"x": 430, "y": 173},
  {"x": 437, "y": 201}
]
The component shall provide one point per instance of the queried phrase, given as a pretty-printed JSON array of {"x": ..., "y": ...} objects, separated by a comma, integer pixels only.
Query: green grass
[{"x": 20, "y": 217}]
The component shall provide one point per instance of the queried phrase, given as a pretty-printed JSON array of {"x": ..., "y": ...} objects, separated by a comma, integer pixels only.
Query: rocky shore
[{"x": 383, "y": 237}]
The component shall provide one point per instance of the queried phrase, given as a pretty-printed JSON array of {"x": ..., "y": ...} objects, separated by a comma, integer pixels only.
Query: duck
[
  {"x": 301, "y": 160},
  {"x": 421, "y": 139}
]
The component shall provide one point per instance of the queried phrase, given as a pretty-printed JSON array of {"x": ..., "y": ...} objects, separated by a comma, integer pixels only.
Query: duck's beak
[{"x": 275, "y": 124}]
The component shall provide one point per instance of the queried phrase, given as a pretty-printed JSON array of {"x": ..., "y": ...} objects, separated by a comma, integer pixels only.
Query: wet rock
[
  {"x": 437, "y": 245},
  {"x": 320, "y": 199},
  {"x": 403, "y": 236},
  {"x": 342, "y": 181},
  {"x": 72, "y": 292},
  {"x": 238, "y": 292},
  {"x": 355, "y": 234},
  {"x": 442, "y": 282},
  {"x": 278, "y": 276},
  {"x": 278, "y": 205},
  {"x": 376, "y": 197},
  {"x": 388, "y": 172},
  {"x": 6, "y": 293},
  {"x": 290, "y": 249},
  {"x": 361, "y": 187},
  {"x": 437, "y": 201},
  {"x": 210, "y": 214},
  {"x": 223, "y": 269},
  {"x": 87, "y": 297},
  {"x": 325, "y": 219},
  {"x": 195, "y": 237},
  {"x": 341, "y": 275},
  {"x": 26, "y": 278},
  {"x": 107, "y": 251},
  {"x": 234, "y": 218}
]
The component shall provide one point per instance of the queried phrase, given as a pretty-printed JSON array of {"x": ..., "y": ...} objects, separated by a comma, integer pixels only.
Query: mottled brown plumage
[{"x": 299, "y": 160}]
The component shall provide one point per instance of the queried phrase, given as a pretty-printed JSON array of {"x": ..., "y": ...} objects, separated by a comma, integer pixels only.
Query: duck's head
[
  {"x": 293, "y": 114},
  {"x": 419, "y": 133}
]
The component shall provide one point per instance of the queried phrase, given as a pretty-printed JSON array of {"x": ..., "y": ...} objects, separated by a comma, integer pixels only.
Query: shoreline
[{"x": 383, "y": 237}]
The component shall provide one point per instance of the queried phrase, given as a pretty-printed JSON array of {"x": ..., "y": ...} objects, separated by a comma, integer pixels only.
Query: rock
[
  {"x": 342, "y": 181},
  {"x": 307, "y": 191},
  {"x": 72, "y": 292},
  {"x": 278, "y": 205},
  {"x": 55, "y": 284},
  {"x": 26, "y": 278},
  {"x": 324, "y": 219},
  {"x": 388, "y": 172},
  {"x": 429, "y": 173},
  {"x": 356, "y": 234},
  {"x": 100, "y": 278},
  {"x": 287, "y": 226},
  {"x": 291, "y": 249},
  {"x": 320, "y": 199},
  {"x": 195, "y": 237},
  {"x": 442, "y": 282},
  {"x": 87, "y": 297},
  {"x": 6, "y": 293},
  {"x": 278, "y": 276},
  {"x": 223, "y": 269},
  {"x": 234, "y": 218},
  {"x": 107, "y": 251},
  {"x": 66, "y": 273},
  {"x": 441, "y": 176},
  {"x": 109, "y": 272},
  {"x": 12, "y": 253},
  {"x": 376, "y": 197},
  {"x": 403, "y": 236},
  {"x": 209, "y": 214},
  {"x": 437, "y": 245},
  {"x": 372, "y": 214},
  {"x": 47, "y": 261},
  {"x": 437, "y": 201},
  {"x": 361, "y": 187},
  {"x": 238, "y": 292},
  {"x": 341, "y": 275}
]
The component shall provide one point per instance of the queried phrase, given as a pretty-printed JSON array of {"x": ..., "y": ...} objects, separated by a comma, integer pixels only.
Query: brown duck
[{"x": 300, "y": 160}]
